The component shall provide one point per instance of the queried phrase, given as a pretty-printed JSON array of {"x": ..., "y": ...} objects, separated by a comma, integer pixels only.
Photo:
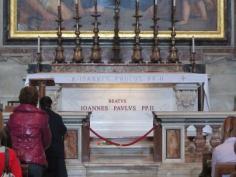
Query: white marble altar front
[{"x": 122, "y": 103}]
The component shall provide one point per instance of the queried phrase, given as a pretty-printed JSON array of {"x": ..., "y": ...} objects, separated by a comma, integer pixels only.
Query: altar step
[
  {"x": 121, "y": 169},
  {"x": 142, "y": 169},
  {"x": 102, "y": 152}
]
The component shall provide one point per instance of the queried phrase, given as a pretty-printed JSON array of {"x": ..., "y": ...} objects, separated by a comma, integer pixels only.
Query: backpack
[{"x": 6, "y": 171}]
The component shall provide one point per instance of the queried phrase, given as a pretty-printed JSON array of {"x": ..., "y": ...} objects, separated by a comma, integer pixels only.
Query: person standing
[
  {"x": 29, "y": 131},
  {"x": 225, "y": 152},
  {"x": 55, "y": 153},
  {"x": 13, "y": 162}
]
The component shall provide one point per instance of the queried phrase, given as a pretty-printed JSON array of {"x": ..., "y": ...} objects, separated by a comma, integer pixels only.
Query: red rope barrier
[{"x": 127, "y": 144}]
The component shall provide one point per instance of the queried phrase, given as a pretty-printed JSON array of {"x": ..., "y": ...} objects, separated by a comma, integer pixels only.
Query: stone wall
[{"x": 219, "y": 61}]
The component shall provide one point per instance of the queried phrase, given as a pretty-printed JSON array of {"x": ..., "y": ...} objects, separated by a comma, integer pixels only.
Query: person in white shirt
[{"x": 225, "y": 152}]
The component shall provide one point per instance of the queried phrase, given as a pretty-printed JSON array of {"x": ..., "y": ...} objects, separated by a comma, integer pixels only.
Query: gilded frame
[{"x": 219, "y": 33}]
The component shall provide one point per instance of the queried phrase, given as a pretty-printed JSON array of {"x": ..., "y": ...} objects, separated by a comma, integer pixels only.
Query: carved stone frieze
[{"x": 186, "y": 97}]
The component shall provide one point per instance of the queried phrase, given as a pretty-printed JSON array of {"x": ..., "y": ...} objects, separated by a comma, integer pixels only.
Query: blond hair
[{"x": 229, "y": 127}]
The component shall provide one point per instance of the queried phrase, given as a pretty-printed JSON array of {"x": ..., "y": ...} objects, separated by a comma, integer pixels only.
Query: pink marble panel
[
  {"x": 173, "y": 144},
  {"x": 71, "y": 144}
]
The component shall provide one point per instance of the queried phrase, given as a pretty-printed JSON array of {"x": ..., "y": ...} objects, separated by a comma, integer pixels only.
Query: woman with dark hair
[
  {"x": 225, "y": 152},
  {"x": 55, "y": 153},
  {"x": 29, "y": 131}
]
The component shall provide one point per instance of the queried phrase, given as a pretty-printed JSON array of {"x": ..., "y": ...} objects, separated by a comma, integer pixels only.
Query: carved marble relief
[{"x": 186, "y": 97}]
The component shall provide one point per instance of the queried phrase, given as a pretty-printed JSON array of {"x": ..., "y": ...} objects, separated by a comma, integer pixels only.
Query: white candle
[
  {"x": 77, "y": 27},
  {"x": 137, "y": 1},
  {"x": 193, "y": 44},
  {"x": 58, "y": 2},
  {"x": 38, "y": 44},
  {"x": 76, "y": 1},
  {"x": 155, "y": 2},
  {"x": 174, "y": 2}
]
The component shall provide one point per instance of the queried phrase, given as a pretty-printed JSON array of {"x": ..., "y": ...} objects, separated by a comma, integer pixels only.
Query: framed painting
[{"x": 199, "y": 18}]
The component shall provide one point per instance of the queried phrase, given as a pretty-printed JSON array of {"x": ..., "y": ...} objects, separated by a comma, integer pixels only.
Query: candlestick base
[
  {"x": 116, "y": 55},
  {"x": 78, "y": 56},
  {"x": 192, "y": 62},
  {"x": 137, "y": 55},
  {"x": 155, "y": 56},
  {"x": 39, "y": 62},
  {"x": 173, "y": 57},
  {"x": 59, "y": 58},
  {"x": 96, "y": 56}
]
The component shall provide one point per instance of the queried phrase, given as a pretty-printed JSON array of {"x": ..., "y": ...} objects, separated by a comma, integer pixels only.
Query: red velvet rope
[{"x": 127, "y": 144}]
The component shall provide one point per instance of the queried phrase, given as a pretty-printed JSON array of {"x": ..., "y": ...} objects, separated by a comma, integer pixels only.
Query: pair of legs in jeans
[{"x": 35, "y": 170}]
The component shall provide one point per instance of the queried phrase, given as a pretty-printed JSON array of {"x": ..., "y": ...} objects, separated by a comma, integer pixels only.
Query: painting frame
[{"x": 219, "y": 33}]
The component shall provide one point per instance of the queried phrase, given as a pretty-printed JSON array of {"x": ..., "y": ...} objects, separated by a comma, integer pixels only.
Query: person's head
[
  {"x": 45, "y": 102},
  {"x": 29, "y": 95},
  {"x": 229, "y": 127}
]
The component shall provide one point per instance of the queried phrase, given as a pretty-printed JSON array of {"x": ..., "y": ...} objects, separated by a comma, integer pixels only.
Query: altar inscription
[
  {"x": 119, "y": 112},
  {"x": 118, "y": 99}
]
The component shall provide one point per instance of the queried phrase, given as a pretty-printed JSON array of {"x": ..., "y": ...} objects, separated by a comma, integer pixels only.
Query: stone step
[
  {"x": 121, "y": 151},
  {"x": 135, "y": 169},
  {"x": 142, "y": 169},
  {"x": 143, "y": 148},
  {"x": 120, "y": 158}
]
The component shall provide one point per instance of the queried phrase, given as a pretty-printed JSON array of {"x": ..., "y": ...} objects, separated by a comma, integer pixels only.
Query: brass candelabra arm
[
  {"x": 39, "y": 62},
  {"x": 155, "y": 55},
  {"x": 78, "y": 56},
  {"x": 173, "y": 56},
  {"x": 116, "y": 39},
  {"x": 193, "y": 62},
  {"x": 137, "y": 49},
  {"x": 96, "y": 56},
  {"x": 59, "y": 56}
]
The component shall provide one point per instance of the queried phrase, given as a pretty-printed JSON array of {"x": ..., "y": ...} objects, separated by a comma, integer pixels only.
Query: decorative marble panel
[
  {"x": 173, "y": 144},
  {"x": 71, "y": 144}
]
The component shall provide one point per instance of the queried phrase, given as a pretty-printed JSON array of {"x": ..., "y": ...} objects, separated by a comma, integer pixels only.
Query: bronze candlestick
[
  {"x": 78, "y": 54},
  {"x": 116, "y": 39},
  {"x": 173, "y": 56},
  {"x": 96, "y": 50},
  {"x": 137, "y": 50},
  {"x": 155, "y": 56},
  {"x": 39, "y": 62},
  {"x": 193, "y": 62},
  {"x": 59, "y": 58}
]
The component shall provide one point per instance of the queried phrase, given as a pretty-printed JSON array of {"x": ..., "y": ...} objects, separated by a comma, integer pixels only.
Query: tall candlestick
[
  {"x": 174, "y": 2},
  {"x": 193, "y": 44},
  {"x": 96, "y": 5},
  {"x": 155, "y": 9},
  {"x": 38, "y": 44},
  {"x": 77, "y": 27}
]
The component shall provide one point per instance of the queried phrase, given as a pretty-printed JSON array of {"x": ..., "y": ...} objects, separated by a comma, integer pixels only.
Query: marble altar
[{"x": 122, "y": 103}]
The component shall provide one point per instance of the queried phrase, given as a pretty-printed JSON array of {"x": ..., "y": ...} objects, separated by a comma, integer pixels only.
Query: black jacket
[{"x": 58, "y": 130}]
